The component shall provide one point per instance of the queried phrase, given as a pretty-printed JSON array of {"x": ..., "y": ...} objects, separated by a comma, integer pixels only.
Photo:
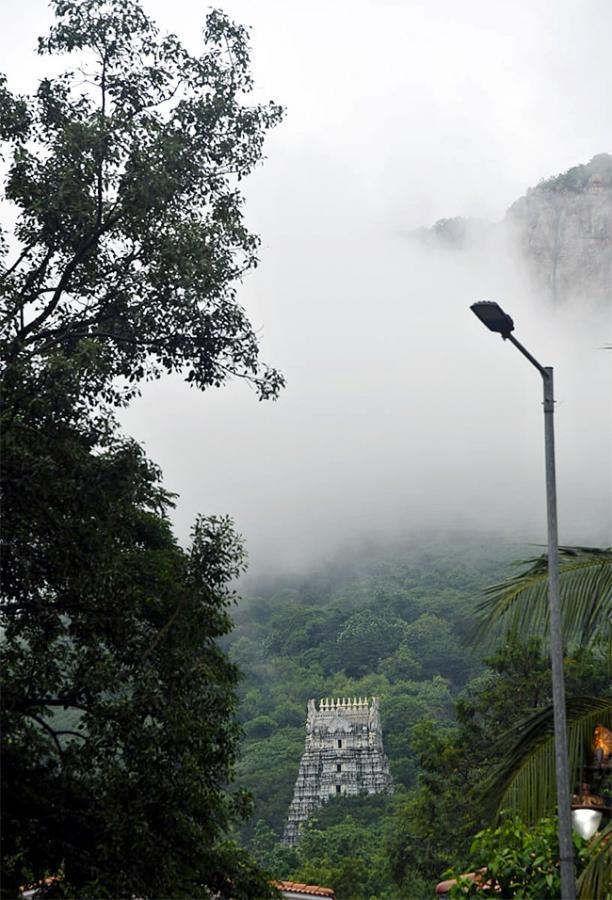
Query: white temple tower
[{"x": 343, "y": 756}]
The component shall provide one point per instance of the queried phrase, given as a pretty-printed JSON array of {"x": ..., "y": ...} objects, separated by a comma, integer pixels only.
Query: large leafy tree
[
  {"x": 118, "y": 705},
  {"x": 118, "y": 716},
  {"x": 124, "y": 173}
]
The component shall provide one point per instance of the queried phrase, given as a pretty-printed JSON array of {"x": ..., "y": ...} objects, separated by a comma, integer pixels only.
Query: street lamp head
[
  {"x": 586, "y": 821},
  {"x": 587, "y": 812},
  {"x": 492, "y": 315}
]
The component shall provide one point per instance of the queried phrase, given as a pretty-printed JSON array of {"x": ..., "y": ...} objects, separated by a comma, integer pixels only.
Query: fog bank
[{"x": 402, "y": 413}]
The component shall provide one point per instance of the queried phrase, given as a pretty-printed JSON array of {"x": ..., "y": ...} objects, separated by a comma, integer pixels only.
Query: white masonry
[{"x": 343, "y": 756}]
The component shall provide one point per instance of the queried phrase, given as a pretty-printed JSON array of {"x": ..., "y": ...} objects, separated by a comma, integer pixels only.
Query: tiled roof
[
  {"x": 29, "y": 890},
  {"x": 312, "y": 890},
  {"x": 444, "y": 887}
]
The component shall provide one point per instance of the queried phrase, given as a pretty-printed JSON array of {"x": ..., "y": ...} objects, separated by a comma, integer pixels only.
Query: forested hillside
[
  {"x": 397, "y": 624},
  {"x": 393, "y": 624}
]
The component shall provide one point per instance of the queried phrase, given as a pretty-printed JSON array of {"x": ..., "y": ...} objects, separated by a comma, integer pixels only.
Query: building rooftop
[
  {"x": 309, "y": 890},
  {"x": 444, "y": 887}
]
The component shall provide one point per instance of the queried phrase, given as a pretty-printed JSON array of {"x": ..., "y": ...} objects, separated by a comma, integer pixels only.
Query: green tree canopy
[
  {"x": 118, "y": 705},
  {"x": 124, "y": 176},
  {"x": 516, "y": 860},
  {"x": 365, "y": 639},
  {"x": 119, "y": 729}
]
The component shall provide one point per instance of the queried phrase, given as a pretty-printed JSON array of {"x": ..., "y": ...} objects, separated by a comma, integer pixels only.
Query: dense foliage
[
  {"x": 123, "y": 174},
  {"x": 598, "y": 170},
  {"x": 117, "y": 702},
  {"x": 516, "y": 860},
  {"x": 119, "y": 733},
  {"x": 394, "y": 625},
  {"x": 448, "y": 714}
]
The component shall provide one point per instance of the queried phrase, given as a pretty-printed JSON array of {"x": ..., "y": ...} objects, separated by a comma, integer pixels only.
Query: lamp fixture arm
[{"x": 544, "y": 372}]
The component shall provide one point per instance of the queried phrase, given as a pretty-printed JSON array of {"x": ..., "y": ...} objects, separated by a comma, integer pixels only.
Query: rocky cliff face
[
  {"x": 564, "y": 232},
  {"x": 562, "y": 229}
]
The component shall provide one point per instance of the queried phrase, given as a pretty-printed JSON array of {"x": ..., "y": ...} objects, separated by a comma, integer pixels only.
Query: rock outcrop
[
  {"x": 343, "y": 756},
  {"x": 564, "y": 230}
]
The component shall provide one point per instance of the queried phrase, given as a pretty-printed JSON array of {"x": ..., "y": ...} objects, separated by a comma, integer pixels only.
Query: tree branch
[
  {"x": 79, "y": 256},
  {"x": 49, "y": 730},
  {"x": 100, "y": 173},
  {"x": 164, "y": 629},
  {"x": 78, "y": 734},
  {"x": 64, "y": 702},
  {"x": 17, "y": 262},
  {"x": 30, "y": 280}
]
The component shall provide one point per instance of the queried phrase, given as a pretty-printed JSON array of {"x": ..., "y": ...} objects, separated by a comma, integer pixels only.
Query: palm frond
[
  {"x": 524, "y": 779},
  {"x": 595, "y": 882},
  {"x": 520, "y": 604}
]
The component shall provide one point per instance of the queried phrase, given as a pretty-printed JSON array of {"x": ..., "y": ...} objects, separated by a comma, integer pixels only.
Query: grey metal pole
[
  {"x": 566, "y": 848},
  {"x": 495, "y": 319}
]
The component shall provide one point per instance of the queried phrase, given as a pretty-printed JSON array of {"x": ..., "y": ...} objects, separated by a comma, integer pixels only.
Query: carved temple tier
[{"x": 343, "y": 756}]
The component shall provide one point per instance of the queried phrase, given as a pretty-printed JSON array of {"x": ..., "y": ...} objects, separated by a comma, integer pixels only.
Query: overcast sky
[{"x": 400, "y": 410}]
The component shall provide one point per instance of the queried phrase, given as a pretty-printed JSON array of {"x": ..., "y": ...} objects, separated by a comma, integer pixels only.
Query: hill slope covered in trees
[{"x": 397, "y": 624}]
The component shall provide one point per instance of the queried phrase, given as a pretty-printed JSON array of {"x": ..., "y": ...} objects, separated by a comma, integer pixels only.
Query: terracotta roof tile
[
  {"x": 312, "y": 890},
  {"x": 444, "y": 887}
]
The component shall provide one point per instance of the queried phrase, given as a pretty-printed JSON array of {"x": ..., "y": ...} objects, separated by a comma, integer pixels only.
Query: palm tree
[
  {"x": 596, "y": 879},
  {"x": 524, "y": 779},
  {"x": 520, "y": 604}
]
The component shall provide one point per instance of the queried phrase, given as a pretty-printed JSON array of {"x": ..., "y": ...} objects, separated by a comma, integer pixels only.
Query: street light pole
[{"x": 496, "y": 320}]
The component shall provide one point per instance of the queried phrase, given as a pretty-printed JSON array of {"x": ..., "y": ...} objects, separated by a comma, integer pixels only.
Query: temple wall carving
[{"x": 343, "y": 756}]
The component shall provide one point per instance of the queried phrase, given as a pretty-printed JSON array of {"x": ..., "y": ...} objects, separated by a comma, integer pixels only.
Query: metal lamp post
[{"x": 491, "y": 315}]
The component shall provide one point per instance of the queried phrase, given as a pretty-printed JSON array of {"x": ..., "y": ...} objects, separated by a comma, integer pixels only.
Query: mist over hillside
[
  {"x": 394, "y": 621},
  {"x": 401, "y": 414}
]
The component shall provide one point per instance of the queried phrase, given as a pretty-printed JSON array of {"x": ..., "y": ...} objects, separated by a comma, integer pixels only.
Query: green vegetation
[
  {"x": 524, "y": 778},
  {"x": 517, "y": 860},
  {"x": 522, "y": 861},
  {"x": 450, "y": 717},
  {"x": 520, "y": 604},
  {"x": 578, "y": 177},
  {"x": 118, "y": 720},
  {"x": 393, "y": 626}
]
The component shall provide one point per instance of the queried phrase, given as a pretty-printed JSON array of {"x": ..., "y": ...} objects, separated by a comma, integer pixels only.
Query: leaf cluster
[
  {"x": 119, "y": 734},
  {"x": 520, "y": 603},
  {"x": 124, "y": 173},
  {"x": 516, "y": 860}
]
